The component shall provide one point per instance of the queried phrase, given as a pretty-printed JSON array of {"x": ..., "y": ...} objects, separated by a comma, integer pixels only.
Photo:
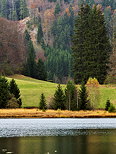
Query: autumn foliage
[{"x": 12, "y": 48}]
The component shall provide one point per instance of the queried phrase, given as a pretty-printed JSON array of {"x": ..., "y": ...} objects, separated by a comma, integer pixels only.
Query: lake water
[{"x": 60, "y": 136}]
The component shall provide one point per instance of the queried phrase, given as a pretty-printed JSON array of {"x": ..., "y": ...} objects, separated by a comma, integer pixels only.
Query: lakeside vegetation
[
  {"x": 31, "y": 89},
  {"x": 35, "y": 113}
]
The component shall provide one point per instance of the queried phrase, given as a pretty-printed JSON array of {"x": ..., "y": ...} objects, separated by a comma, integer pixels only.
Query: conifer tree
[
  {"x": 108, "y": 103},
  {"x": 91, "y": 46},
  {"x": 4, "y": 8},
  {"x": 4, "y": 92},
  {"x": 71, "y": 96},
  {"x": 27, "y": 36},
  {"x": 23, "y": 11},
  {"x": 30, "y": 65},
  {"x": 13, "y": 88},
  {"x": 39, "y": 33},
  {"x": 41, "y": 73},
  {"x": 57, "y": 9},
  {"x": 83, "y": 97},
  {"x": 59, "y": 99},
  {"x": 42, "y": 104}
]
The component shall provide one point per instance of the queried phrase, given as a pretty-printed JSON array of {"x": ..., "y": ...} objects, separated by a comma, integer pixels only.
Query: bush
[
  {"x": 93, "y": 82},
  {"x": 12, "y": 103},
  {"x": 111, "y": 108}
]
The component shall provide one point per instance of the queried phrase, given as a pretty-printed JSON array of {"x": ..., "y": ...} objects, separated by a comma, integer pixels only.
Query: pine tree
[
  {"x": 71, "y": 96},
  {"x": 41, "y": 73},
  {"x": 23, "y": 11},
  {"x": 83, "y": 97},
  {"x": 91, "y": 46},
  {"x": 30, "y": 64},
  {"x": 27, "y": 36},
  {"x": 108, "y": 103},
  {"x": 13, "y": 88},
  {"x": 42, "y": 104},
  {"x": 57, "y": 9},
  {"x": 59, "y": 99},
  {"x": 39, "y": 33},
  {"x": 4, "y": 8},
  {"x": 4, "y": 92}
]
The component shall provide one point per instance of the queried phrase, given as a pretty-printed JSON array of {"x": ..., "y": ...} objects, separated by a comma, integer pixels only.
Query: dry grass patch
[{"x": 35, "y": 113}]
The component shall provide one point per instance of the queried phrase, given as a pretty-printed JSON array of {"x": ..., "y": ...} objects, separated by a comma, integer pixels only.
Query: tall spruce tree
[{"x": 91, "y": 46}]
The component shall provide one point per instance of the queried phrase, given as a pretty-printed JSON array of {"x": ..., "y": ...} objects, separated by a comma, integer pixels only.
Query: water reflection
[{"x": 94, "y": 141}]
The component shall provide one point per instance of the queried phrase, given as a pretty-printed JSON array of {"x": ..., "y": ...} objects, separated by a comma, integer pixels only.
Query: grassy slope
[{"x": 31, "y": 90}]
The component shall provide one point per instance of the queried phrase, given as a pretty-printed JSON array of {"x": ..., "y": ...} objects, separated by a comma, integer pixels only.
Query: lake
[{"x": 60, "y": 136}]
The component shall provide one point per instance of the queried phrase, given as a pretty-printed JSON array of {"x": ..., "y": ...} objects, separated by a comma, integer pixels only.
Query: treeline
[
  {"x": 75, "y": 99},
  {"x": 9, "y": 94},
  {"x": 57, "y": 64},
  {"x": 13, "y": 10},
  {"x": 68, "y": 99}
]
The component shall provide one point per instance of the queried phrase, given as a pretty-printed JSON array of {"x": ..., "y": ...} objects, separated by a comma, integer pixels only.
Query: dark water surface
[{"x": 60, "y": 136}]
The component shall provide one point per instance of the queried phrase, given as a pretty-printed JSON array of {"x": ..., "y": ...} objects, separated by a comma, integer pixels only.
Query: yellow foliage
[{"x": 93, "y": 82}]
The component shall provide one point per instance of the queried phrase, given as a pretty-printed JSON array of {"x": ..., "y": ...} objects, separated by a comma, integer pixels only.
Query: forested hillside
[{"x": 50, "y": 24}]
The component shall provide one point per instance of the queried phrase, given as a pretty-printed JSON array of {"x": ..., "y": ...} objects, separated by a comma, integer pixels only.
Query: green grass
[
  {"x": 107, "y": 92},
  {"x": 31, "y": 90}
]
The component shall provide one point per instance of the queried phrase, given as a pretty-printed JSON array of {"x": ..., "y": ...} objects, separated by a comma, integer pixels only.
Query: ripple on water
[{"x": 55, "y": 127}]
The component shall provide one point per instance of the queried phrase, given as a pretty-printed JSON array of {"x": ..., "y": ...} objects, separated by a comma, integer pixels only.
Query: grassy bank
[
  {"x": 35, "y": 113},
  {"x": 31, "y": 90}
]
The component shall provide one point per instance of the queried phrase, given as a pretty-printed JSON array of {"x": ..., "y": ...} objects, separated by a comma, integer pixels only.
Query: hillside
[
  {"x": 31, "y": 90},
  {"x": 54, "y": 20}
]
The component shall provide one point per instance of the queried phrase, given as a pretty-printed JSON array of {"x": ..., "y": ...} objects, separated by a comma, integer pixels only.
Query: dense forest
[{"x": 50, "y": 24}]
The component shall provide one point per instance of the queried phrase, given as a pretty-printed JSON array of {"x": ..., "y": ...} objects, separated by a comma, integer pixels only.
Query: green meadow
[{"x": 31, "y": 90}]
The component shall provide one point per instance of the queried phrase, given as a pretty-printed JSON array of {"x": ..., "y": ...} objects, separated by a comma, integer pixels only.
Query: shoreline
[{"x": 36, "y": 113}]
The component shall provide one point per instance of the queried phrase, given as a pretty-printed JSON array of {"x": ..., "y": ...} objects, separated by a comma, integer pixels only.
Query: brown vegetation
[
  {"x": 12, "y": 48},
  {"x": 36, "y": 113}
]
